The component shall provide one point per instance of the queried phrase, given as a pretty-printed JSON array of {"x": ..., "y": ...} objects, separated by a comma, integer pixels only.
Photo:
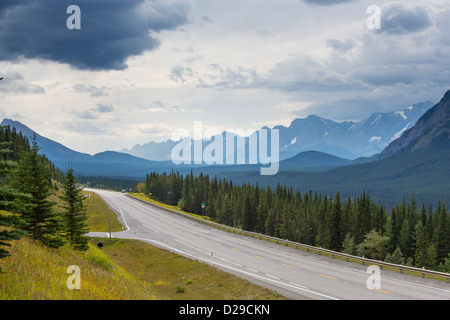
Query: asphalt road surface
[{"x": 292, "y": 272}]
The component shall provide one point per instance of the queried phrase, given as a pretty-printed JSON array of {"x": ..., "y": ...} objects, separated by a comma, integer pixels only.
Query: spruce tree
[
  {"x": 442, "y": 234},
  {"x": 396, "y": 257},
  {"x": 11, "y": 201},
  {"x": 32, "y": 177},
  {"x": 333, "y": 234},
  {"x": 425, "y": 253},
  {"x": 74, "y": 215}
]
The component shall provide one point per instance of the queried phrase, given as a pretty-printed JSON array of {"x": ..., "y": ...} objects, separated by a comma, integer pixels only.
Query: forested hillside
[{"x": 410, "y": 233}]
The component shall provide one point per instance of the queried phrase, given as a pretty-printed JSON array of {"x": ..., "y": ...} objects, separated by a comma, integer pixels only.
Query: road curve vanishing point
[{"x": 294, "y": 273}]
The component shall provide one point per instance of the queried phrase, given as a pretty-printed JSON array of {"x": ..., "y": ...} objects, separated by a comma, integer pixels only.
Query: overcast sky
[{"x": 137, "y": 70}]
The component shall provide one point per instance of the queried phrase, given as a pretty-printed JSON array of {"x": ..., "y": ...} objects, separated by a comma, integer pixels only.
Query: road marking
[
  {"x": 289, "y": 266},
  {"x": 379, "y": 290},
  {"x": 202, "y": 238},
  {"x": 236, "y": 249},
  {"x": 218, "y": 243},
  {"x": 298, "y": 285},
  {"x": 123, "y": 218},
  {"x": 269, "y": 275},
  {"x": 154, "y": 230},
  {"x": 327, "y": 276},
  {"x": 251, "y": 269},
  {"x": 260, "y": 257}
]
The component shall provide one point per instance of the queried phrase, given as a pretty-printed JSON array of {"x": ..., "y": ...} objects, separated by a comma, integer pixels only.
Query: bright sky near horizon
[{"x": 138, "y": 69}]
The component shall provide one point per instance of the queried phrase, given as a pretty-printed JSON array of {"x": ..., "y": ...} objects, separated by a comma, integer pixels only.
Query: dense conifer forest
[{"x": 409, "y": 233}]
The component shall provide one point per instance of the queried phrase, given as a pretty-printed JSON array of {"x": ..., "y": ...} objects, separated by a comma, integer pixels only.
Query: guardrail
[{"x": 308, "y": 248}]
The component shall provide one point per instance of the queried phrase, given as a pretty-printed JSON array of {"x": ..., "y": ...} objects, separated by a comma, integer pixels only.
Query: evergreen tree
[
  {"x": 348, "y": 245},
  {"x": 74, "y": 216},
  {"x": 405, "y": 238},
  {"x": 373, "y": 246},
  {"x": 389, "y": 233},
  {"x": 32, "y": 177},
  {"x": 363, "y": 217},
  {"x": 396, "y": 257},
  {"x": 425, "y": 253},
  {"x": 333, "y": 225},
  {"x": 11, "y": 201},
  {"x": 442, "y": 242}
]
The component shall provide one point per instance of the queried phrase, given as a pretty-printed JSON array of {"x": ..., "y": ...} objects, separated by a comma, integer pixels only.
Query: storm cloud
[
  {"x": 111, "y": 30},
  {"x": 399, "y": 19}
]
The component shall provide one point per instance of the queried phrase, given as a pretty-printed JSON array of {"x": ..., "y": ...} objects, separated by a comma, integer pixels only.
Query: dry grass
[{"x": 37, "y": 272}]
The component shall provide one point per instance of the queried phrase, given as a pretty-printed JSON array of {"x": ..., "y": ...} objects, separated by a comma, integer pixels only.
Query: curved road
[{"x": 294, "y": 273}]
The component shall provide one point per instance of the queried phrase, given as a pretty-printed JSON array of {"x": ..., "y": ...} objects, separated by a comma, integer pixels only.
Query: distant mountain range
[
  {"x": 347, "y": 139},
  {"x": 415, "y": 160}
]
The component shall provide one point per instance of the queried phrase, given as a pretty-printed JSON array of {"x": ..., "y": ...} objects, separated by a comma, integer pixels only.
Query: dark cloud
[
  {"x": 104, "y": 108},
  {"x": 111, "y": 30},
  {"x": 398, "y": 19},
  {"x": 326, "y": 2}
]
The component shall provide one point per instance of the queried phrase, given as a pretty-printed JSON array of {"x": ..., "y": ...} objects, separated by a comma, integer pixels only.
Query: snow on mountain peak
[{"x": 402, "y": 114}]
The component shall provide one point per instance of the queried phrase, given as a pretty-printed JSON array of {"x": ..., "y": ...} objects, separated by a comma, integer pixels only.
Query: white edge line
[{"x": 126, "y": 225}]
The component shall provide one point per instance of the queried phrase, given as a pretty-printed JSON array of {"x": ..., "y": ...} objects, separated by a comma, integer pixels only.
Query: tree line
[
  {"x": 408, "y": 233},
  {"x": 26, "y": 183}
]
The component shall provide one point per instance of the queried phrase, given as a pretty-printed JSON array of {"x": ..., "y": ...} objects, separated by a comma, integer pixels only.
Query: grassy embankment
[{"x": 121, "y": 269}]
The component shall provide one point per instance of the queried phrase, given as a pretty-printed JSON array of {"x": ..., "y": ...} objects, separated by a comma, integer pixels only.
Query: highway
[{"x": 292, "y": 272}]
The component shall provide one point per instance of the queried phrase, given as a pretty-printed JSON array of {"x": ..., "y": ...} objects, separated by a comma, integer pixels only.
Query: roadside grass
[
  {"x": 99, "y": 214},
  {"x": 175, "y": 277},
  {"x": 37, "y": 272}
]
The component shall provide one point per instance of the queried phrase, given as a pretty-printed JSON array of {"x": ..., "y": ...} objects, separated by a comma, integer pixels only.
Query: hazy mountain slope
[
  {"x": 108, "y": 163},
  {"x": 432, "y": 128}
]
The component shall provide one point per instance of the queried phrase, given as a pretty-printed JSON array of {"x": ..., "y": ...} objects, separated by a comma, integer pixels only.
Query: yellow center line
[
  {"x": 327, "y": 276},
  {"x": 288, "y": 265},
  {"x": 379, "y": 290},
  {"x": 260, "y": 257},
  {"x": 235, "y": 249},
  {"x": 202, "y": 238},
  {"x": 218, "y": 243}
]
